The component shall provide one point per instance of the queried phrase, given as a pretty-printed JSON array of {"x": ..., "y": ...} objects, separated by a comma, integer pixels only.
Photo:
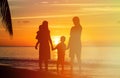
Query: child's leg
[
  {"x": 62, "y": 67},
  {"x": 57, "y": 66},
  {"x": 62, "y": 63}
]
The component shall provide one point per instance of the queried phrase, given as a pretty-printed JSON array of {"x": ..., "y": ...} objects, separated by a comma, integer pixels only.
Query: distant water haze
[{"x": 89, "y": 54}]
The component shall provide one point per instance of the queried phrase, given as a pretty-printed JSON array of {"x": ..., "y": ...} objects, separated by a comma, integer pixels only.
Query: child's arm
[
  {"x": 54, "y": 48},
  {"x": 36, "y": 45}
]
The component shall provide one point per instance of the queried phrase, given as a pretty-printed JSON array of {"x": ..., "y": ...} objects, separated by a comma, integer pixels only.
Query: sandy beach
[{"x": 6, "y": 71}]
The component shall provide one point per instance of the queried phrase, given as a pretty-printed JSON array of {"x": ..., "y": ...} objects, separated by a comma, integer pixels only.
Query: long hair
[
  {"x": 76, "y": 21},
  {"x": 6, "y": 16},
  {"x": 45, "y": 25}
]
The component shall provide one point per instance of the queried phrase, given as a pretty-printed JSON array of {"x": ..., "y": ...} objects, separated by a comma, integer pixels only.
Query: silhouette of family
[{"x": 45, "y": 43}]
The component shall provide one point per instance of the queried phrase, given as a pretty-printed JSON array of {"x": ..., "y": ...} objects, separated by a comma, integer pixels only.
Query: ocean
[{"x": 103, "y": 62}]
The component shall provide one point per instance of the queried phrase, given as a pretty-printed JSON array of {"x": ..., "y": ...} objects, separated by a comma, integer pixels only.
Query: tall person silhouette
[
  {"x": 43, "y": 36},
  {"x": 75, "y": 42}
]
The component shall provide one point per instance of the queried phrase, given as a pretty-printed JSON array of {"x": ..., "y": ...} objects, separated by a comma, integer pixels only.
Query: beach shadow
[{"x": 10, "y": 72}]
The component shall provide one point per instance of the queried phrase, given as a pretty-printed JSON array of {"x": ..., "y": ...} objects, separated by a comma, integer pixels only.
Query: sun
[{"x": 56, "y": 40}]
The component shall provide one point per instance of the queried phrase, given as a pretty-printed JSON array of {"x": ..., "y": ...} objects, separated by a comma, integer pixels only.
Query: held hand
[{"x": 52, "y": 48}]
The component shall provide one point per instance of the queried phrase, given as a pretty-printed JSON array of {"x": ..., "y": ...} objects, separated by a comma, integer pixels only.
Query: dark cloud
[{"x": 26, "y": 21}]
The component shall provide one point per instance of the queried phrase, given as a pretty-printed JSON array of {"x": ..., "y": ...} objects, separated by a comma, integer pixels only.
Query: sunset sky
[{"x": 100, "y": 20}]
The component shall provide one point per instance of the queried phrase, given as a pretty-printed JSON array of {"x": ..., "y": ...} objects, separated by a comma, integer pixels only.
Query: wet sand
[
  {"x": 6, "y": 71},
  {"x": 10, "y": 72}
]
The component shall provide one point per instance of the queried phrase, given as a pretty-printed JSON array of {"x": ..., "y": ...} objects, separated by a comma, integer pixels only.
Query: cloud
[
  {"x": 25, "y": 21},
  {"x": 111, "y": 9},
  {"x": 48, "y": 16},
  {"x": 44, "y": 2}
]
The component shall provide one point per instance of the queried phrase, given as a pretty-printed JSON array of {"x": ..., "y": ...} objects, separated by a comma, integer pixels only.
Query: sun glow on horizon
[{"x": 56, "y": 39}]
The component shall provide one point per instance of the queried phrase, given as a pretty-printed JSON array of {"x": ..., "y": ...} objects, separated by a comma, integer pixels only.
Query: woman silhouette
[
  {"x": 43, "y": 36},
  {"x": 75, "y": 42}
]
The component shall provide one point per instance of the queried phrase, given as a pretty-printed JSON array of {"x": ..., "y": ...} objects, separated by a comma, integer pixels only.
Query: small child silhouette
[
  {"x": 61, "y": 47},
  {"x": 38, "y": 36}
]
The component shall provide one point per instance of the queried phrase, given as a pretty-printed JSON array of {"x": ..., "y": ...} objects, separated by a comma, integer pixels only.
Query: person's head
[
  {"x": 76, "y": 20},
  {"x": 62, "y": 38},
  {"x": 45, "y": 24}
]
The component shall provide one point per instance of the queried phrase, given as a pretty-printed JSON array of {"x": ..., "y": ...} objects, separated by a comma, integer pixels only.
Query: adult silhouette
[
  {"x": 43, "y": 36},
  {"x": 75, "y": 42}
]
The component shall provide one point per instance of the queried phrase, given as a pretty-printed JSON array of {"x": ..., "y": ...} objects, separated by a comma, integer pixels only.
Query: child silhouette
[{"x": 61, "y": 47}]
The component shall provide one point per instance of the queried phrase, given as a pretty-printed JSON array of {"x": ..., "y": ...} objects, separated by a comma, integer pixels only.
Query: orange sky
[{"x": 99, "y": 19}]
